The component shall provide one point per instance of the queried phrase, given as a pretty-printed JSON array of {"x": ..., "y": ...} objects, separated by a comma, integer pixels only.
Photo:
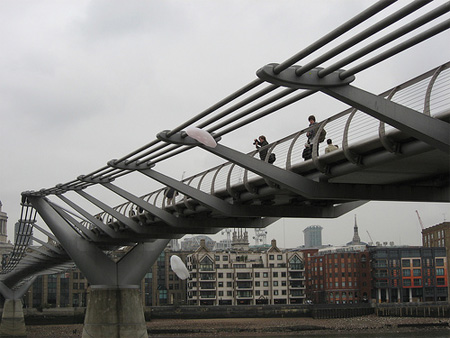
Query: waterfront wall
[
  {"x": 263, "y": 311},
  {"x": 439, "y": 310},
  {"x": 228, "y": 311},
  {"x": 319, "y": 311}
]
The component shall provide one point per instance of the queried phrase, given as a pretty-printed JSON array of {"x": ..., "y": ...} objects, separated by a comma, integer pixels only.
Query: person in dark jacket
[
  {"x": 260, "y": 143},
  {"x": 310, "y": 134}
]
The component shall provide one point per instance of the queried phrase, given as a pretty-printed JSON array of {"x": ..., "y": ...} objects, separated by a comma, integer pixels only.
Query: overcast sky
[{"x": 83, "y": 82}]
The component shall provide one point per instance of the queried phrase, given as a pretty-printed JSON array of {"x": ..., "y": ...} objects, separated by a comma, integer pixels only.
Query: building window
[
  {"x": 220, "y": 293},
  {"x": 229, "y": 284},
  {"x": 440, "y": 281},
  {"x": 257, "y": 292},
  {"x": 265, "y": 274},
  {"x": 225, "y": 258},
  {"x": 220, "y": 275},
  {"x": 439, "y": 272},
  {"x": 266, "y": 292},
  {"x": 206, "y": 264},
  {"x": 257, "y": 284},
  {"x": 229, "y": 275},
  {"x": 416, "y": 262},
  {"x": 265, "y": 283},
  {"x": 406, "y": 262},
  {"x": 275, "y": 274},
  {"x": 256, "y": 274},
  {"x": 407, "y": 282},
  {"x": 417, "y": 282},
  {"x": 275, "y": 283},
  {"x": 271, "y": 257},
  {"x": 296, "y": 264},
  {"x": 439, "y": 262},
  {"x": 279, "y": 257},
  {"x": 229, "y": 293},
  {"x": 217, "y": 258},
  {"x": 406, "y": 272},
  {"x": 275, "y": 292},
  {"x": 283, "y": 274},
  {"x": 417, "y": 272}
]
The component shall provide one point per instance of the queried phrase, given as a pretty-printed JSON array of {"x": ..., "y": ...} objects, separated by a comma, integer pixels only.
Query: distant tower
[
  {"x": 3, "y": 228},
  {"x": 26, "y": 232},
  {"x": 356, "y": 240},
  {"x": 240, "y": 240},
  {"x": 260, "y": 236},
  {"x": 313, "y": 236}
]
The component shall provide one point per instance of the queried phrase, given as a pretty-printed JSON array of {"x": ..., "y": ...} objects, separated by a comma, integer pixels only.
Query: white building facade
[{"x": 246, "y": 277}]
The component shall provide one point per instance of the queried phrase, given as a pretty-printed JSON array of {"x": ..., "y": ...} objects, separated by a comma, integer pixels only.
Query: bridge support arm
[{"x": 425, "y": 128}]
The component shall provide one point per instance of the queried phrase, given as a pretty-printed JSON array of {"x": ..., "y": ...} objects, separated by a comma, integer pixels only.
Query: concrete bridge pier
[
  {"x": 114, "y": 312},
  {"x": 13, "y": 322},
  {"x": 114, "y": 309}
]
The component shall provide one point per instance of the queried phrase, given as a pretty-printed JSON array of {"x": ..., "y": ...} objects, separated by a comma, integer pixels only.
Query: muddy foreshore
[{"x": 223, "y": 327}]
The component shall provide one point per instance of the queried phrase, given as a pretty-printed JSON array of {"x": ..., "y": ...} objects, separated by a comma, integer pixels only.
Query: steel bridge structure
[{"x": 394, "y": 146}]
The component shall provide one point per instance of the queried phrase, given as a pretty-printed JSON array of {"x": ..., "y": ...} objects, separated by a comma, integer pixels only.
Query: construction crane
[
  {"x": 371, "y": 240},
  {"x": 420, "y": 220}
]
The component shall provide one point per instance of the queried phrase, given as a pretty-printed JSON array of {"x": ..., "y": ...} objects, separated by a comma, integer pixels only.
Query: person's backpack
[
  {"x": 272, "y": 158},
  {"x": 322, "y": 136},
  {"x": 307, "y": 153}
]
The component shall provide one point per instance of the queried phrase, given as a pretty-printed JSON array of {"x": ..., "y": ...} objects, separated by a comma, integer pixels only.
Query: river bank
[{"x": 232, "y": 327}]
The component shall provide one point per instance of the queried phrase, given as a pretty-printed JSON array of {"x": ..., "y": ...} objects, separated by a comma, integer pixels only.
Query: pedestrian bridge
[{"x": 394, "y": 146}]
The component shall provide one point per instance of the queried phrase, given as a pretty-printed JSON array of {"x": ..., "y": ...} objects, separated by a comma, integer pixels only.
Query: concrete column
[
  {"x": 114, "y": 312},
  {"x": 387, "y": 295},
  {"x": 13, "y": 323},
  {"x": 410, "y": 295}
]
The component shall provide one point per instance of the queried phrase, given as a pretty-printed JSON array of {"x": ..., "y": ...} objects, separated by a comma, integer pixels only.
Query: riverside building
[
  {"x": 338, "y": 275},
  {"x": 409, "y": 274},
  {"x": 244, "y": 276}
]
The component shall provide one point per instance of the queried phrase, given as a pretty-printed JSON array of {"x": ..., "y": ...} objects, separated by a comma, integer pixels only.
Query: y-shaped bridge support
[
  {"x": 13, "y": 323},
  {"x": 114, "y": 307}
]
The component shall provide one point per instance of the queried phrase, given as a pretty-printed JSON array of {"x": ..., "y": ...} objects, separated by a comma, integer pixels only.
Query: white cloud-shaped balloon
[
  {"x": 201, "y": 136},
  {"x": 178, "y": 267}
]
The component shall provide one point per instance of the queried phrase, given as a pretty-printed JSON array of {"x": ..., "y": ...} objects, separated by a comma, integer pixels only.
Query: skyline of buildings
[{"x": 233, "y": 272}]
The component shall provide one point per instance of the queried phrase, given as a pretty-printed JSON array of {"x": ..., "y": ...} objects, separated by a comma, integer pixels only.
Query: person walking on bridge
[{"x": 331, "y": 147}]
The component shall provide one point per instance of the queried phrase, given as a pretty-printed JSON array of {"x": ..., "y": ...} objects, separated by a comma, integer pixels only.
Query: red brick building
[{"x": 338, "y": 275}]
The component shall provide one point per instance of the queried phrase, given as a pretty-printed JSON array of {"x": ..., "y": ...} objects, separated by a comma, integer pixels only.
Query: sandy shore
[{"x": 223, "y": 327}]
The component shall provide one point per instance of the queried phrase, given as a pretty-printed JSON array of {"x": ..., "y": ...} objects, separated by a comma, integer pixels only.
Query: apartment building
[
  {"x": 409, "y": 274},
  {"x": 241, "y": 276}
]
